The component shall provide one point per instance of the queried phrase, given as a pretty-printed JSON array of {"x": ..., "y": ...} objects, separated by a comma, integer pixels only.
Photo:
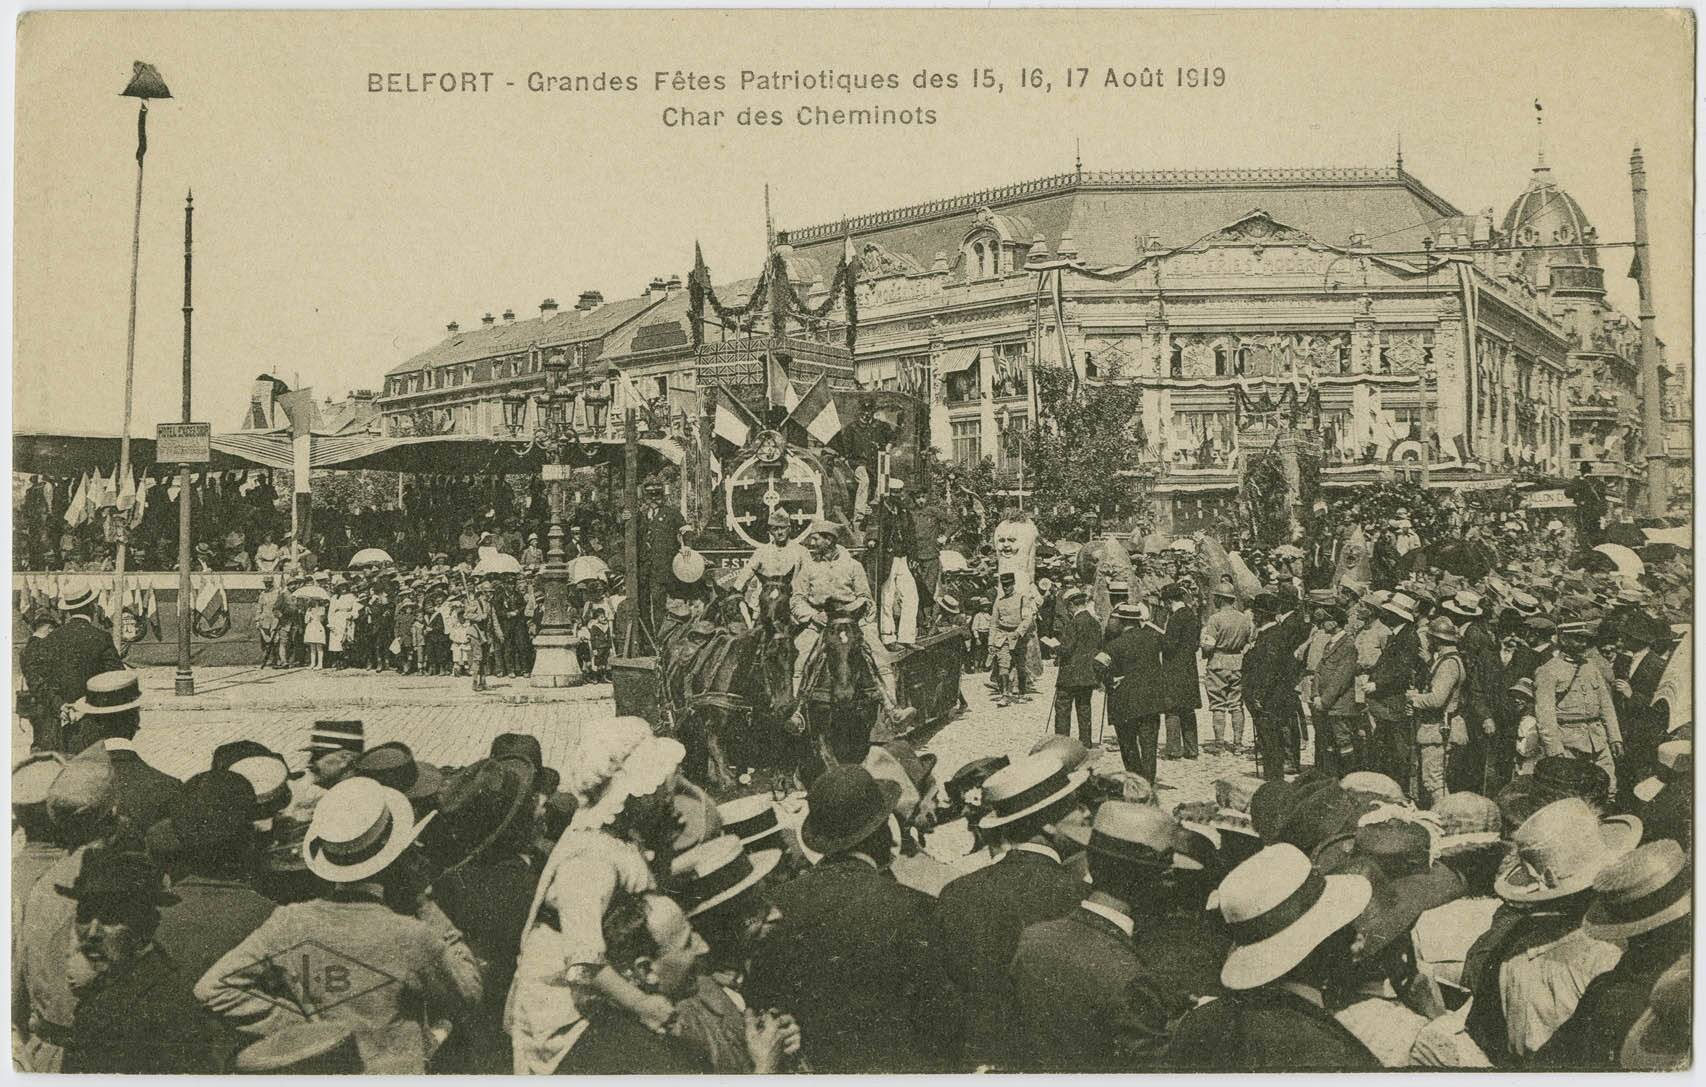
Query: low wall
[{"x": 222, "y": 630}]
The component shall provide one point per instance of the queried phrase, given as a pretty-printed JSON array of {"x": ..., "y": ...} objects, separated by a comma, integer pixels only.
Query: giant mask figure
[{"x": 1016, "y": 550}]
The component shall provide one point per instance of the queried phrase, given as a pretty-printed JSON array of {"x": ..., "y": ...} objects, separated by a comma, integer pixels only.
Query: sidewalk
[{"x": 224, "y": 688}]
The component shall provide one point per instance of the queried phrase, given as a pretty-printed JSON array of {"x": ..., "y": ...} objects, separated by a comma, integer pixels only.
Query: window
[
  {"x": 1176, "y": 361},
  {"x": 1413, "y": 421},
  {"x": 443, "y": 377},
  {"x": 913, "y": 375},
  {"x": 1012, "y": 366},
  {"x": 468, "y": 374},
  {"x": 965, "y": 387},
  {"x": 1202, "y": 439},
  {"x": 968, "y": 441}
]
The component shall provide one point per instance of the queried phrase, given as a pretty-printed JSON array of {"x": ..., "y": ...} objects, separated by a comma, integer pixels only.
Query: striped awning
[{"x": 957, "y": 359}]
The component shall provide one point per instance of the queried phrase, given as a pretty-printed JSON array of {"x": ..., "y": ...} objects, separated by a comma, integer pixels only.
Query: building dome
[{"x": 1547, "y": 215}]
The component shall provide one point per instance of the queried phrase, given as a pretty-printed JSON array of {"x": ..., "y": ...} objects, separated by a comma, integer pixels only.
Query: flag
[
  {"x": 1635, "y": 266},
  {"x": 732, "y": 422},
  {"x": 781, "y": 389},
  {"x": 816, "y": 412},
  {"x": 210, "y": 602},
  {"x": 141, "y": 133},
  {"x": 127, "y": 493},
  {"x": 77, "y": 511}
]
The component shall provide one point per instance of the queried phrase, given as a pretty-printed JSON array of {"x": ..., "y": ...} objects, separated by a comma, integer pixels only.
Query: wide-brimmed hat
[
  {"x": 1561, "y": 849},
  {"x": 1140, "y": 834},
  {"x": 1523, "y": 687},
  {"x": 844, "y": 806},
  {"x": 394, "y": 765},
  {"x": 207, "y": 811},
  {"x": 75, "y": 599},
  {"x": 1561, "y": 776},
  {"x": 1394, "y": 906},
  {"x": 1675, "y": 762},
  {"x": 751, "y": 819},
  {"x": 1662, "y": 1038},
  {"x": 1135, "y": 613},
  {"x": 1025, "y": 786},
  {"x": 1466, "y": 821},
  {"x": 110, "y": 692},
  {"x": 1376, "y": 785},
  {"x": 1319, "y": 816},
  {"x": 1068, "y": 750},
  {"x": 633, "y": 763},
  {"x": 717, "y": 871},
  {"x": 314, "y": 1048},
  {"x": 1463, "y": 604},
  {"x": 227, "y": 755},
  {"x": 124, "y": 875},
  {"x": 948, "y": 604},
  {"x": 1525, "y": 604},
  {"x": 1646, "y": 888},
  {"x": 1443, "y": 630},
  {"x": 1278, "y": 909},
  {"x": 328, "y": 736},
  {"x": 359, "y": 828},
  {"x": 32, "y": 778},
  {"x": 477, "y": 805},
  {"x": 1401, "y": 847}
]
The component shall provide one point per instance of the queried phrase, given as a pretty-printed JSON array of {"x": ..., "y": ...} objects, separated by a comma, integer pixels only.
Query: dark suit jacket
[
  {"x": 71, "y": 654},
  {"x": 140, "y": 792},
  {"x": 1335, "y": 680},
  {"x": 1179, "y": 643},
  {"x": 146, "y": 1021},
  {"x": 1265, "y": 673},
  {"x": 1266, "y": 1030},
  {"x": 1136, "y": 654},
  {"x": 1080, "y": 641},
  {"x": 660, "y": 539},
  {"x": 1082, "y": 999},
  {"x": 853, "y": 959},
  {"x": 1399, "y": 669},
  {"x": 1642, "y": 726},
  {"x": 979, "y": 919},
  {"x": 617, "y": 1044}
]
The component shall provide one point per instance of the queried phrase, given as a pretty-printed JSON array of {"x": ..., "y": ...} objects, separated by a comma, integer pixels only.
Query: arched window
[{"x": 1176, "y": 364}]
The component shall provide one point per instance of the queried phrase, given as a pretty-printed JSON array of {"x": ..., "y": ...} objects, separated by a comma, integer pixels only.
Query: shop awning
[
  {"x": 454, "y": 454},
  {"x": 957, "y": 360}
]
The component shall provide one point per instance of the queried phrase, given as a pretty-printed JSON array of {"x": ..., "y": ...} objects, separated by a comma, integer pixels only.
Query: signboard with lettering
[
  {"x": 183, "y": 443},
  {"x": 557, "y": 471}
]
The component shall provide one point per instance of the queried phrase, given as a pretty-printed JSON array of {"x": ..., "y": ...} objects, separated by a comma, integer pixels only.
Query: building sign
[
  {"x": 748, "y": 372},
  {"x": 1547, "y": 500},
  {"x": 551, "y": 471},
  {"x": 183, "y": 443}
]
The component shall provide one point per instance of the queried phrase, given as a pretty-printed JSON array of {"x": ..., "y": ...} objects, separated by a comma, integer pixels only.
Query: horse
[
  {"x": 717, "y": 675},
  {"x": 839, "y": 700}
]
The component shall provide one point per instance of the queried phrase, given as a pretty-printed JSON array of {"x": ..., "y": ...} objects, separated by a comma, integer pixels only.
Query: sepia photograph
[{"x": 872, "y": 541}]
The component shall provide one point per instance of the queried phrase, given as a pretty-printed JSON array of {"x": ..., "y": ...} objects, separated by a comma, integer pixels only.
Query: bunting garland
[{"x": 785, "y": 298}]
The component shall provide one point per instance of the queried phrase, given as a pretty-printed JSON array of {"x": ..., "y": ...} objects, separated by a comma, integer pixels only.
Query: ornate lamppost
[{"x": 555, "y": 663}]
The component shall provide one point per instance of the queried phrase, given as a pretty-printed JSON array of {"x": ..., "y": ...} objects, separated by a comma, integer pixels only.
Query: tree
[
  {"x": 966, "y": 497},
  {"x": 1075, "y": 456}
]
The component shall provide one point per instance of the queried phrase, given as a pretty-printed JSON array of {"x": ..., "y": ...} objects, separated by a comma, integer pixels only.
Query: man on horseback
[
  {"x": 779, "y": 559},
  {"x": 829, "y": 583}
]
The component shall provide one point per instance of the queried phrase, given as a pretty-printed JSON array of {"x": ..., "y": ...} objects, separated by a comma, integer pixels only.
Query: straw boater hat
[
  {"x": 110, "y": 692},
  {"x": 1403, "y": 605},
  {"x": 1464, "y": 605},
  {"x": 1466, "y": 821},
  {"x": 269, "y": 779},
  {"x": 948, "y": 604},
  {"x": 1662, "y": 1038},
  {"x": 1136, "y": 613},
  {"x": 75, "y": 599},
  {"x": 359, "y": 828},
  {"x": 311, "y": 1048},
  {"x": 752, "y": 819},
  {"x": 1278, "y": 909},
  {"x": 329, "y": 736},
  {"x": 1676, "y": 763},
  {"x": 1647, "y": 888},
  {"x": 1561, "y": 849},
  {"x": 697, "y": 819},
  {"x": 1026, "y": 786},
  {"x": 718, "y": 871}
]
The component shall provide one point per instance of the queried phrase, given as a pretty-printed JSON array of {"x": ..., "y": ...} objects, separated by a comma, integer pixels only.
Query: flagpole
[{"x": 130, "y": 374}]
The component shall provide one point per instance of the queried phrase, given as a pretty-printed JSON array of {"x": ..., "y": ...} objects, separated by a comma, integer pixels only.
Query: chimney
[
  {"x": 509, "y": 315},
  {"x": 657, "y": 284},
  {"x": 548, "y": 308},
  {"x": 589, "y": 300},
  {"x": 453, "y": 327},
  {"x": 487, "y": 319},
  {"x": 674, "y": 283}
]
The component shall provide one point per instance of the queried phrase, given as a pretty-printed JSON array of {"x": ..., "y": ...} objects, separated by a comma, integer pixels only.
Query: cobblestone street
[{"x": 446, "y": 722}]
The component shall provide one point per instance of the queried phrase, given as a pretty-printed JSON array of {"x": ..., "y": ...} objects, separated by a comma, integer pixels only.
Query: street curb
[{"x": 216, "y": 704}]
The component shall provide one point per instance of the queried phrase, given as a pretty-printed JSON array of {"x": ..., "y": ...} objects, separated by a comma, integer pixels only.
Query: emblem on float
[{"x": 773, "y": 476}]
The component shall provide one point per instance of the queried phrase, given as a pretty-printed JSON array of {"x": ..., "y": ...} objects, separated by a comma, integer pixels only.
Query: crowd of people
[
  {"x": 1466, "y": 842},
  {"x": 367, "y": 911}
]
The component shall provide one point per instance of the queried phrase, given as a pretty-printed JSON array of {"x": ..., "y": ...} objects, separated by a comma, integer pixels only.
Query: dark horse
[
  {"x": 839, "y": 692},
  {"x": 717, "y": 676}
]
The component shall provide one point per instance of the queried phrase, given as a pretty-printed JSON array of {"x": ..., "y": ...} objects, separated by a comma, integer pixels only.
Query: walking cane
[
  {"x": 1049, "y": 720},
  {"x": 1102, "y": 728}
]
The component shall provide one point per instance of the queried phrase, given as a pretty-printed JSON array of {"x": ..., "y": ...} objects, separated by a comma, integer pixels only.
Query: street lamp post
[
  {"x": 555, "y": 663},
  {"x": 1013, "y": 444}
]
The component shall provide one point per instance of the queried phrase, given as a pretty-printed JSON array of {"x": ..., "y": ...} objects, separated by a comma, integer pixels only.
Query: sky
[{"x": 337, "y": 230}]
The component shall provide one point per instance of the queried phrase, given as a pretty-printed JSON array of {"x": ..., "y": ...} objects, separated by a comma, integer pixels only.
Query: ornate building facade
[
  {"x": 1424, "y": 341},
  {"x": 1360, "y": 290}
]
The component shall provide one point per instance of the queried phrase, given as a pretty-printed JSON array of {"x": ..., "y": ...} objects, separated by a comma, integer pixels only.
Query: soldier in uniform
[
  {"x": 1436, "y": 708},
  {"x": 899, "y": 616},
  {"x": 1573, "y": 705},
  {"x": 1011, "y": 622},
  {"x": 1225, "y": 637},
  {"x": 780, "y": 558},
  {"x": 830, "y": 580},
  {"x": 73, "y": 654}
]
